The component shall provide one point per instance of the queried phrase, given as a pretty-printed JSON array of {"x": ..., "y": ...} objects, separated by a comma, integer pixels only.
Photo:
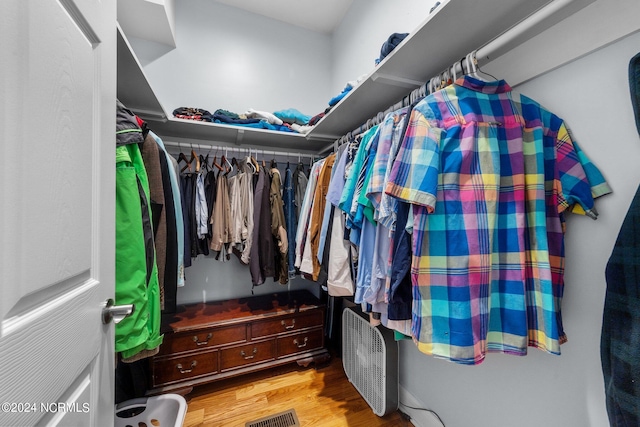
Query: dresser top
[{"x": 199, "y": 315}]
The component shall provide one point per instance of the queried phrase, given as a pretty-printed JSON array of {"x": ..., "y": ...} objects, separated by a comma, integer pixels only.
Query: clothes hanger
[
  {"x": 204, "y": 163},
  {"x": 477, "y": 69},
  {"x": 471, "y": 66},
  {"x": 450, "y": 78},
  {"x": 454, "y": 72},
  {"x": 434, "y": 84},
  {"x": 183, "y": 157},
  {"x": 423, "y": 91},
  {"x": 195, "y": 157},
  {"x": 230, "y": 165},
  {"x": 215, "y": 163}
]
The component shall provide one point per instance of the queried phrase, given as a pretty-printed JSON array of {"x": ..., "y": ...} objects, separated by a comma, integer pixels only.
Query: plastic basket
[{"x": 166, "y": 410}]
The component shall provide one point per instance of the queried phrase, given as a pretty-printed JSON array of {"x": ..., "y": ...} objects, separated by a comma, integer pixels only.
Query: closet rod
[
  {"x": 518, "y": 33},
  {"x": 237, "y": 149}
]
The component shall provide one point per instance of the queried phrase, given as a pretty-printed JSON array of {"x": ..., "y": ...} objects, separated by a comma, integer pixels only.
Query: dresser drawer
[
  {"x": 247, "y": 354},
  {"x": 298, "y": 343},
  {"x": 290, "y": 323},
  {"x": 181, "y": 368},
  {"x": 203, "y": 339}
]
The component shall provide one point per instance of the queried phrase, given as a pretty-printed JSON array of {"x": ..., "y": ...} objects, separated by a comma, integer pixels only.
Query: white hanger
[{"x": 471, "y": 65}]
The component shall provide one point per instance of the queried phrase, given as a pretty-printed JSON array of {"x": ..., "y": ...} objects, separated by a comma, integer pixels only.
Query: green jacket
[{"x": 136, "y": 270}]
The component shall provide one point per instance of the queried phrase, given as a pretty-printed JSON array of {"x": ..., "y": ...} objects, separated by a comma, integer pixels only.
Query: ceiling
[{"x": 322, "y": 16}]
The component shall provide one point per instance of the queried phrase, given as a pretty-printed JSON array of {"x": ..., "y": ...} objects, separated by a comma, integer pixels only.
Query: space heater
[{"x": 370, "y": 361}]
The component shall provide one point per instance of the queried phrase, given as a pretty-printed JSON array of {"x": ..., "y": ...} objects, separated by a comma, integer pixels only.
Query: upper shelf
[
  {"x": 135, "y": 92},
  {"x": 454, "y": 29}
]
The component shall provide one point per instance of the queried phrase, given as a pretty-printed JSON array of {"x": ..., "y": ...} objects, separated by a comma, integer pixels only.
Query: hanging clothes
[
  {"x": 266, "y": 245},
  {"x": 187, "y": 193},
  {"x": 317, "y": 212},
  {"x": 221, "y": 219},
  {"x": 202, "y": 215},
  {"x": 257, "y": 272},
  {"x": 620, "y": 337},
  {"x": 170, "y": 283},
  {"x": 339, "y": 278},
  {"x": 378, "y": 293},
  {"x": 278, "y": 230},
  {"x": 262, "y": 252},
  {"x": 300, "y": 182},
  {"x": 291, "y": 219},
  {"x": 370, "y": 198},
  {"x": 151, "y": 158},
  {"x": 354, "y": 171},
  {"x": 303, "y": 242},
  {"x": 136, "y": 274},
  {"x": 210, "y": 187},
  {"x": 241, "y": 195},
  {"x": 472, "y": 152},
  {"x": 174, "y": 174}
]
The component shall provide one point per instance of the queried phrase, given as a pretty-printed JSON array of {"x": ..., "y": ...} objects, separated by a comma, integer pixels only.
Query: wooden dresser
[{"x": 209, "y": 341}]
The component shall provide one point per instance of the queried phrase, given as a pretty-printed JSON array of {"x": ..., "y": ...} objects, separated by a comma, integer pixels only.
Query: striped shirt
[{"x": 489, "y": 174}]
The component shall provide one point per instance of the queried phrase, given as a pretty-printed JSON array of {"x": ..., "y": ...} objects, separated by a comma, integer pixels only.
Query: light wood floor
[{"x": 321, "y": 398}]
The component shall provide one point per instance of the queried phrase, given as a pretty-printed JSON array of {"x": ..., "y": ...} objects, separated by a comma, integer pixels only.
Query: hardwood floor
[{"x": 321, "y": 397}]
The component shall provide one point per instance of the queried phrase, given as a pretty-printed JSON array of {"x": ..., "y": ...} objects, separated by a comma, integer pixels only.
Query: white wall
[
  {"x": 367, "y": 25},
  {"x": 211, "y": 280},
  {"x": 231, "y": 59}
]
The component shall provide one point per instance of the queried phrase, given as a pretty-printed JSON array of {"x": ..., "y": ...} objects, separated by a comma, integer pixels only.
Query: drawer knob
[
  {"x": 195, "y": 339},
  {"x": 186, "y": 371},
  {"x": 250, "y": 356},
  {"x": 301, "y": 345},
  {"x": 291, "y": 326}
]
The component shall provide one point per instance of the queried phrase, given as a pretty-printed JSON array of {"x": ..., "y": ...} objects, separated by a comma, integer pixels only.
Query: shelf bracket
[
  {"x": 389, "y": 79},
  {"x": 239, "y": 136}
]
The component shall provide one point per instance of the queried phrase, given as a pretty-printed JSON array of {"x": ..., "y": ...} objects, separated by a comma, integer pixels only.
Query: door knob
[{"x": 116, "y": 312}]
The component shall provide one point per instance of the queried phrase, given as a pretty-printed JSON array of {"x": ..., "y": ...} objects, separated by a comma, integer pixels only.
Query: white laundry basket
[{"x": 166, "y": 410}]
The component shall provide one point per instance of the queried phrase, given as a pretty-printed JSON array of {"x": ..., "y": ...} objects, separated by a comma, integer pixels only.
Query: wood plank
[{"x": 321, "y": 397}]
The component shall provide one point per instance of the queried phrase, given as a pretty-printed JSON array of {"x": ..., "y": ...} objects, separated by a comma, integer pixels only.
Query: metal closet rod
[
  {"x": 248, "y": 150},
  {"x": 498, "y": 46}
]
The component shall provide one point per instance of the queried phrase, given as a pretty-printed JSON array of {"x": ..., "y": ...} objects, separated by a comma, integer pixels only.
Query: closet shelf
[
  {"x": 136, "y": 93},
  {"x": 454, "y": 29},
  {"x": 133, "y": 88},
  {"x": 212, "y": 133}
]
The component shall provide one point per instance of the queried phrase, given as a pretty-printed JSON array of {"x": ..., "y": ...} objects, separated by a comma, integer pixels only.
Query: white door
[{"x": 57, "y": 149}]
